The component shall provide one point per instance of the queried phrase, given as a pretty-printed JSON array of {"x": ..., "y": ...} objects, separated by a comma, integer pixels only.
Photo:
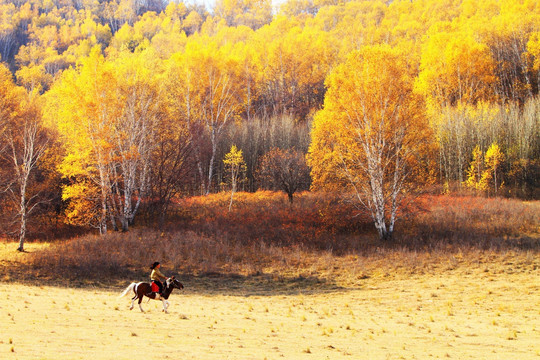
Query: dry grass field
[
  {"x": 454, "y": 315},
  {"x": 272, "y": 282}
]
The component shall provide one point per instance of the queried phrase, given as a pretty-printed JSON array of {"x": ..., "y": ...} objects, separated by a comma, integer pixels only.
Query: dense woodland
[{"x": 110, "y": 109}]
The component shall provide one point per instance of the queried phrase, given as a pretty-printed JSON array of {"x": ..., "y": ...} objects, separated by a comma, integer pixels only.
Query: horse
[{"x": 143, "y": 289}]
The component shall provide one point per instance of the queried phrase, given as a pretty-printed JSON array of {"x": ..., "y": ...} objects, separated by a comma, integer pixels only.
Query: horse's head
[{"x": 173, "y": 283}]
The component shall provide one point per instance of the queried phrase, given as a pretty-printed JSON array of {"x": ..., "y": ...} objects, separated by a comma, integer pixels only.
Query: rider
[{"x": 156, "y": 275}]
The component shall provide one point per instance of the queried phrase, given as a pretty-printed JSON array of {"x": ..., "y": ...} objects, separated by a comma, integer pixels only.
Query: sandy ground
[{"x": 475, "y": 316}]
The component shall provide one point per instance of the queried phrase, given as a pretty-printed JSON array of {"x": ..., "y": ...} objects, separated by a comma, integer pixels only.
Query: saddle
[{"x": 155, "y": 287}]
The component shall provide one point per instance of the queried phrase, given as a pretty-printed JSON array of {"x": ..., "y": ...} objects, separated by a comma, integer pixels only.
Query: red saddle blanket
[{"x": 155, "y": 287}]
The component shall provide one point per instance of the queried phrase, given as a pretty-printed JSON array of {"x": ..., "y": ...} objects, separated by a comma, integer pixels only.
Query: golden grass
[
  {"x": 450, "y": 315},
  {"x": 491, "y": 222},
  {"x": 461, "y": 283}
]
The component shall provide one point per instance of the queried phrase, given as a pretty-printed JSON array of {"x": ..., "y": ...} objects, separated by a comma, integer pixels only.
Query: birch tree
[
  {"x": 371, "y": 138},
  {"x": 24, "y": 142},
  {"x": 235, "y": 167},
  {"x": 27, "y": 140},
  {"x": 493, "y": 160},
  {"x": 82, "y": 106},
  {"x": 134, "y": 135},
  {"x": 106, "y": 115},
  {"x": 204, "y": 91}
]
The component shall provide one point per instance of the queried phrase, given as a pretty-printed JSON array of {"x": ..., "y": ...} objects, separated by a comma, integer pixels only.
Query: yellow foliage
[
  {"x": 82, "y": 108},
  {"x": 484, "y": 172},
  {"x": 455, "y": 68},
  {"x": 82, "y": 200},
  {"x": 11, "y": 97},
  {"x": 251, "y": 13},
  {"x": 202, "y": 78},
  {"x": 234, "y": 158},
  {"x": 492, "y": 175},
  {"x": 372, "y": 137},
  {"x": 34, "y": 77},
  {"x": 370, "y": 111},
  {"x": 193, "y": 22},
  {"x": 533, "y": 47},
  {"x": 464, "y": 57},
  {"x": 235, "y": 166},
  {"x": 474, "y": 174}
]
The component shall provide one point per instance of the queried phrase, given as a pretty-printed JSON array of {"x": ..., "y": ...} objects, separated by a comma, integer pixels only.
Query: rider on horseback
[{"x": 156, "y": 276}]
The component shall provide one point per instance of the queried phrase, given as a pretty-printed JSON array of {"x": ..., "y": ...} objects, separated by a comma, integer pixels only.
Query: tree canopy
[{"x": 144, "y": 99}]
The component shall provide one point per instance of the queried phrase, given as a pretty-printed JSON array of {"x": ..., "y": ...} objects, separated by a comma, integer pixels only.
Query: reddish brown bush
[
  {"x": 474, "y": 221},
  {"x": 313, "y": 220},
  {"x": 317, "y": 236}
]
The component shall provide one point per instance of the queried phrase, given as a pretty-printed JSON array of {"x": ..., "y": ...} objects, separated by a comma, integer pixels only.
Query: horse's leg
[
  {"x": 140, "y": 301},
  {"x": 165, "y": 305},
  {"x": 133, "y": 298}
]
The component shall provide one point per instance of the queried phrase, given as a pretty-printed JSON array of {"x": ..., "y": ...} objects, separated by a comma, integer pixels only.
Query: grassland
[
  {"x": 453, "y": 315},
  {"x": 301, "y": 283}
]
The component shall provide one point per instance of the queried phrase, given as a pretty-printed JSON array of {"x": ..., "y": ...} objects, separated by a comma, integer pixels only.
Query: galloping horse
[{"x": 143, "y": 289}]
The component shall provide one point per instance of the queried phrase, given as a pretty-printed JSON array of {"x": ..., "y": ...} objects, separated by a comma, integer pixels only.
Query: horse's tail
[{"x": 130, "y": 287}]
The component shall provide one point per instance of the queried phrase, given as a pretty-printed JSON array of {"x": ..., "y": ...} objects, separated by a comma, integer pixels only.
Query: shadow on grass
[
  {"x": 258, "y": 285},
  {"x": 213, "y": 283},
  {"x": 464, "y": 239}
]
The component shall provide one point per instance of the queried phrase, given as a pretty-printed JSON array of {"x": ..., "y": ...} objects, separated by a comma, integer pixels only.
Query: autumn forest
[{"x": 115, "y": 109}]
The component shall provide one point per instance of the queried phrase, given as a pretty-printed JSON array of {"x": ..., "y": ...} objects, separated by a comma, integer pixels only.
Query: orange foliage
[
  {"x": 323, "y": 221},
  {"x": 314, "y": 220}
]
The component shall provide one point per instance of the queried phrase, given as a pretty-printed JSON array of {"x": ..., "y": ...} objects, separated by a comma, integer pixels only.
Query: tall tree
[
  {"x": 204, "y": 90},
  {"x": 134, "y": 134},
  {"x": 106, "y": 114},
  {"x": 172, "y": 165},
  {"x": 294, "y": 67},
  {"x": 371, "y": 138},
  {"x": 83, "y": 107},
  {"x": 27, "y": 141},
  {"x": 10, "y": 99},
  {"x": 24, "y": 142}
]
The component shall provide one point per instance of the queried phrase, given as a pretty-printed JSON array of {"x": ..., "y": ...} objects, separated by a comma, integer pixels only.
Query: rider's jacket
[{"x": 157, "y": 275}]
